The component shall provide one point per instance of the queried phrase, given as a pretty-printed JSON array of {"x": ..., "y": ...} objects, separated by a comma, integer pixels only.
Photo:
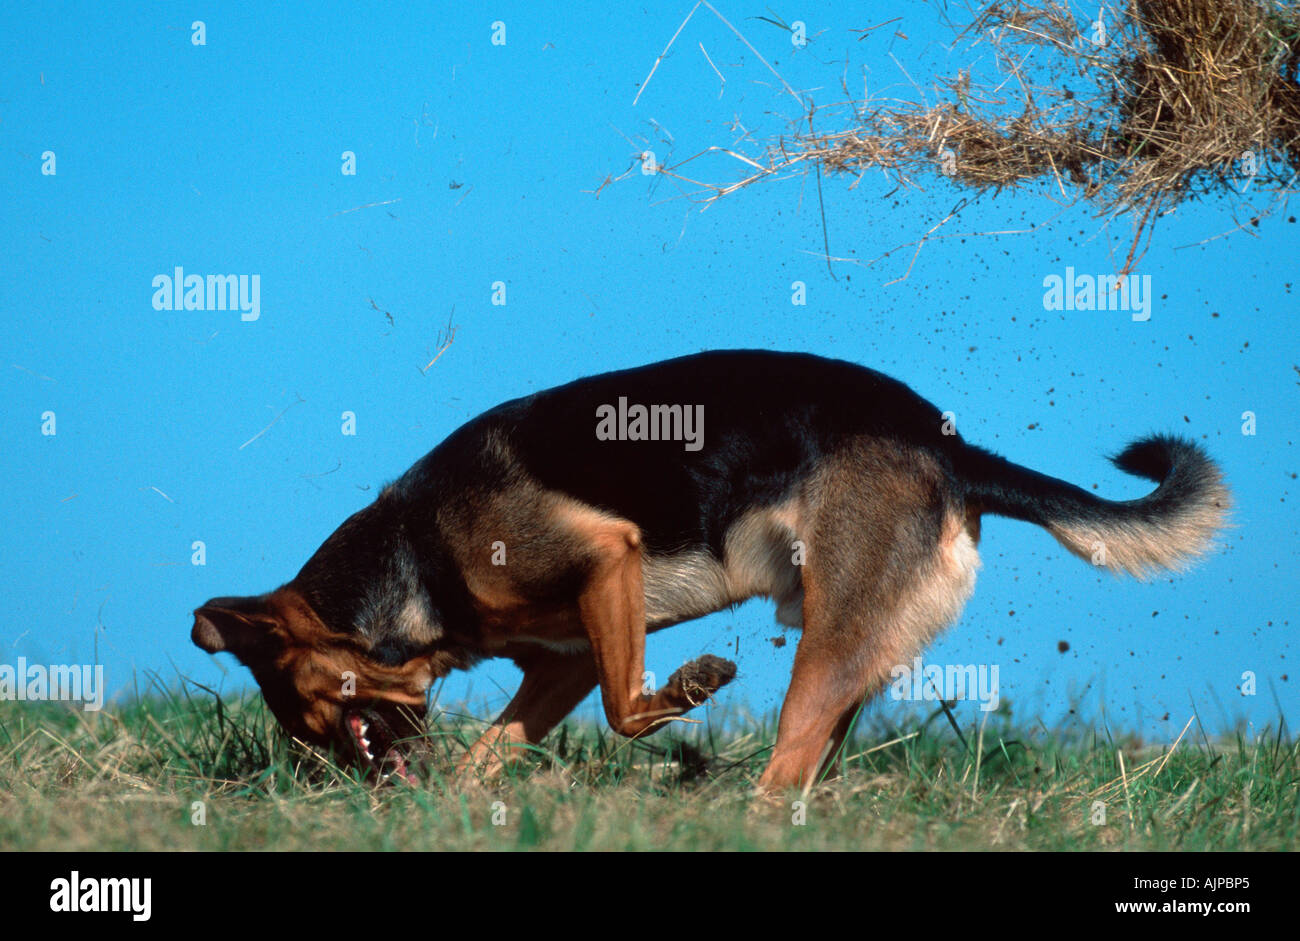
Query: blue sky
[{"x": 482, "y": 162}]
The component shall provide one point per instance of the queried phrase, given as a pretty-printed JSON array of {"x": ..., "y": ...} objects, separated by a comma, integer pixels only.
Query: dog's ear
[{"x": 242, "y": 626}]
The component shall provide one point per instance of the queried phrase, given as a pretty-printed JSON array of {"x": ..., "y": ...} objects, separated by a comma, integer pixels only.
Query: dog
[{"x": 560, "y": 528}]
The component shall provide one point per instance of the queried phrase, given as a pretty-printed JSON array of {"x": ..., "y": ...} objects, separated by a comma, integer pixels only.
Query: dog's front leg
[
  {"x": 553, "y": 684},
  {"x": 612, "y": 608}
]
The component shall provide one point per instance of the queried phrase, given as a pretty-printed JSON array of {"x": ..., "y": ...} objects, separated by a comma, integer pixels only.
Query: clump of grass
[
  {"x": 1172, "y": 99},
  {"x": 191, "y": 770}
]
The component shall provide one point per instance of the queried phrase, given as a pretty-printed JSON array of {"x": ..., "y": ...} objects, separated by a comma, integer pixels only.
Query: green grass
[{"x": 127, "y": 778}]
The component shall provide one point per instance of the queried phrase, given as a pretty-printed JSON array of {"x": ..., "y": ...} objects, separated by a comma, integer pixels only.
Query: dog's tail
[{"x": 1166, "y": 529}]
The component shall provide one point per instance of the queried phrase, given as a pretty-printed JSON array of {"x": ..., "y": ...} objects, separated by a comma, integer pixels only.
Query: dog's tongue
[
  {"x": 372, "y": 740},
  {"x": 398, "y": 763}
]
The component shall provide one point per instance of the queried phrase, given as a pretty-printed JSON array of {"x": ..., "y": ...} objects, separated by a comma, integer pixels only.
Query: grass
[
  {"x": 129, "y": 777},
  {"x": 1135, "y": 109}
]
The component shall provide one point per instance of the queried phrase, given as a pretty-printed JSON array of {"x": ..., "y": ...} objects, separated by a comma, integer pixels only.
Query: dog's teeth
[
  {"x": 365, "y": 727},
  {"x": 366, "y": 742}
]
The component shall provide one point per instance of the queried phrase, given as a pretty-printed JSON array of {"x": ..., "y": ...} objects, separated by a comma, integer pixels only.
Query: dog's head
[{"x": 324, "y": 687}]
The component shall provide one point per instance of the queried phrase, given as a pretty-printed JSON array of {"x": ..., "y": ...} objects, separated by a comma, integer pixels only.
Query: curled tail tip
[
  {"x": 1174, "y": 525},
  {"x": 1157, "y": 456},
  {"x": 1186, "y": 474}
]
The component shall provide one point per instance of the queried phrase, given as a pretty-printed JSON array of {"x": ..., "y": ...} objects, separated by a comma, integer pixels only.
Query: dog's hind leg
[
  {"x": 834, "y": 760},
  {"x": 823, "y": 688},
  {"x": 553, "y": 684},
  {"x": 890, "y": 563}
]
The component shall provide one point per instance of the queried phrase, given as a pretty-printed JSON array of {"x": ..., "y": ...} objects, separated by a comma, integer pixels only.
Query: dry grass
[
  {"x": 1175, "y": 98},
  {"x": 174, "y": 771}
]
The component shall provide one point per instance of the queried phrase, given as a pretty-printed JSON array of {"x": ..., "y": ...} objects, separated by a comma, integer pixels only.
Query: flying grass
[
  {"x": 1134, "y": 109},
  {"x": 189, "y": 770}
]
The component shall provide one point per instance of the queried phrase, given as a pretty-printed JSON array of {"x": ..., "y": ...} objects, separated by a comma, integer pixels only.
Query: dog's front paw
[{"x": 702, "y": 677}]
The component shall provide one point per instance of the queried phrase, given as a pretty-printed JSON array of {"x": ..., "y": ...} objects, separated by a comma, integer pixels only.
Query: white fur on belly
[{"x": 758, "y": 560}]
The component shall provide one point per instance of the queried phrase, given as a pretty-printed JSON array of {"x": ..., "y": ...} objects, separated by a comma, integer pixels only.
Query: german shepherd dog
[{"x": 560, "y": 528}]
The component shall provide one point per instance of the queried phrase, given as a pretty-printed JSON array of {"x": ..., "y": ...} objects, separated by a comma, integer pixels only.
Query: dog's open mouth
[{"x": 377, "y": 744}]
